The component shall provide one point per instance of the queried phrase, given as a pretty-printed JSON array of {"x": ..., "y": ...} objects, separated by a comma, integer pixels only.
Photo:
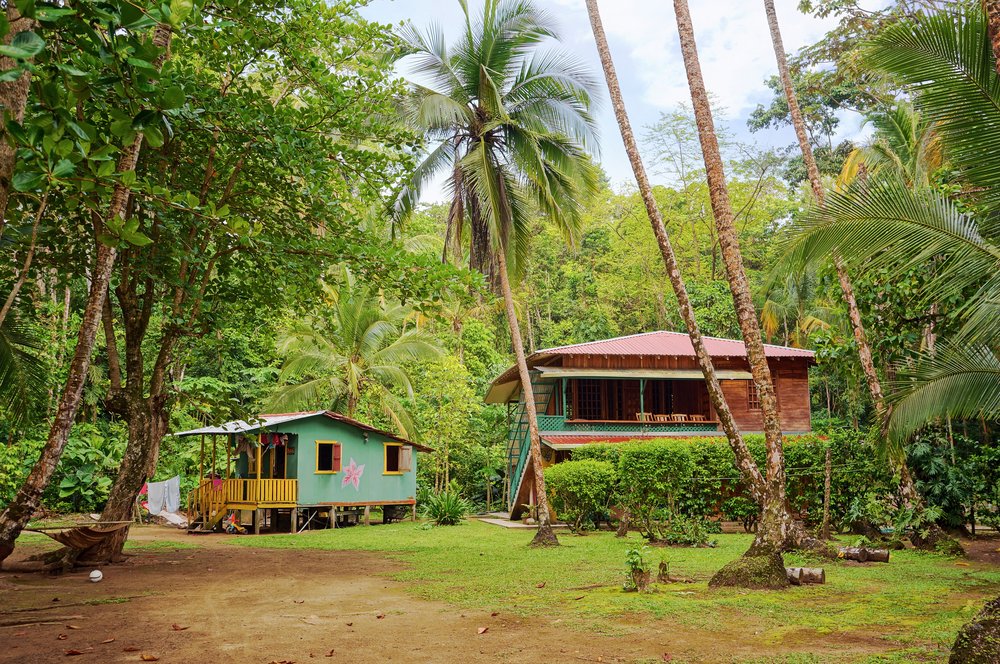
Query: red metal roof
[
  {"x": 601, "y": 438},
  {"x": 668, "y": 343}
]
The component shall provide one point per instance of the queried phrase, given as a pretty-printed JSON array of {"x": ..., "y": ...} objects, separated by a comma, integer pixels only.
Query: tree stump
[{"x": 978, "y": 642}]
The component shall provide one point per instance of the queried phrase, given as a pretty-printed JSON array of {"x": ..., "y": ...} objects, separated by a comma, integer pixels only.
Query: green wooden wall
[{"x": 315, "y": 488}]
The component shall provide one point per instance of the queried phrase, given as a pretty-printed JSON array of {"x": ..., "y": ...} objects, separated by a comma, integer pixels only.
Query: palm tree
[
  {"x": 748, "y": 467},
  {"x": 510, "y": 124},
  {"x": 792, "y": 311},
  {"x": 908, "y": 146},
  {"x": 776, "y": 530},
  {"x": 360, "y": 346}
]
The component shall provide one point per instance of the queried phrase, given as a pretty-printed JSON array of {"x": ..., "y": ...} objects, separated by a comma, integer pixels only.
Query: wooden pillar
[
  {"x": 213, "y": 457},
  {"x": 229, "y": 461},
  {"x": 368, "y": 514},
  {"x": 642, "y": 398},
  {"x": 826, "y": 496},
  {"x": 413, "y": 515},
  {"x": 201, "y": 460},
  {"x": 293, "y": 517},
  {"x": 256, "y": 521},
  {"x": 260, "y": 454},
  {"x": 564, "y": 413}
]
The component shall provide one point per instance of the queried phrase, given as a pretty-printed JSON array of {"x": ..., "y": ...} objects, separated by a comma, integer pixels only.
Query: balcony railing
[{"x": 560, "y": 423}]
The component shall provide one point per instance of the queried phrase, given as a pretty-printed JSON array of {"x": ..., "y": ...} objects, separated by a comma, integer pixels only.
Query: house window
[
  {"x": 753, "y": 396},
  {"x": 328, "y": 454},
  {"x": 588, "y": 400},
  {"x": 398, "y": 459}
]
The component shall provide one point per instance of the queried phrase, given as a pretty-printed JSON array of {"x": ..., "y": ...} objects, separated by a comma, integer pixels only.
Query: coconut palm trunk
[
  {"x": 748, "y": 468},
  {"x": 19, "y": 511},
  {"x": 545, "y": 535},
  {"x": 897, "y": 457},
  {"x": 762, "y": 565},
  {"x": 992, "y": 10}
]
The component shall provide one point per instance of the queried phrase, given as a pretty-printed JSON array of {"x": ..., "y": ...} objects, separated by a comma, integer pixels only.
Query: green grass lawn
[{"x": 918, "y": 600}]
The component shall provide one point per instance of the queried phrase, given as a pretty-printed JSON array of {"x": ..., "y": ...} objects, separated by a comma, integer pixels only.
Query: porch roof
[{"x": 571, "y": 442}]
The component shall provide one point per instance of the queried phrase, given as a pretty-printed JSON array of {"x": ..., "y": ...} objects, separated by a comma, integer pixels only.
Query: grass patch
[
  {"x": 918, "y": 601},
  {"x": 153, "y": 546}
]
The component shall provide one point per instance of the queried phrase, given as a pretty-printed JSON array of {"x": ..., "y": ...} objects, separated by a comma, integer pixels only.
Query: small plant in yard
[
  {"x": 447, "y": 508},
  {"x": 743, "y": 510},
  {"x": 683, "y": 530},
  {"x": 637, "y": 570}
]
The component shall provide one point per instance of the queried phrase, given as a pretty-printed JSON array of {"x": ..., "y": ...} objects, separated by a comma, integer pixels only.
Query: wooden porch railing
[{"x": 213, "y": 497}]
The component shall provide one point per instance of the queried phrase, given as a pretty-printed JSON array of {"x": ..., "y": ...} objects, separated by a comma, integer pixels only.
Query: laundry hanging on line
[{"x": 164, "y": 496}]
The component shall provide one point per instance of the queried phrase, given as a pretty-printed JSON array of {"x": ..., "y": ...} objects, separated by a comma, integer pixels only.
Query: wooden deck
[{"x": 212, "y": 499}]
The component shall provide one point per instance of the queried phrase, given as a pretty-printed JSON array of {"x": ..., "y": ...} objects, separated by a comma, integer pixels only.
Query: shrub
[
  {"x": 650, "y": 477},
  {"x": 580, "y": 491},
  {"x": 678, "y": 529},
  {"x": 447, "y": 508}
]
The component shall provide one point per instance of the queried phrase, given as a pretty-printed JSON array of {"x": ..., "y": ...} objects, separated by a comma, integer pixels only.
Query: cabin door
[
  {"x": 630, "y": 400},
  {"x": 280, "y": 457}
]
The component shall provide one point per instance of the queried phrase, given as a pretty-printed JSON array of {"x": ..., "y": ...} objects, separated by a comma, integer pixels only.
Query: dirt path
[{"x": 255, "y": 605}]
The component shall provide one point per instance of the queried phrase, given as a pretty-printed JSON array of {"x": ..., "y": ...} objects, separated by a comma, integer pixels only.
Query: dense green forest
[{"x": 242, "y": 182}]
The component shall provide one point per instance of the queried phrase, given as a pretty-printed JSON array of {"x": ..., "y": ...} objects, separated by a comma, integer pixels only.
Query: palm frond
[
  {"x": 956, "y": 381},
  {"x": 22, "y": 371}
]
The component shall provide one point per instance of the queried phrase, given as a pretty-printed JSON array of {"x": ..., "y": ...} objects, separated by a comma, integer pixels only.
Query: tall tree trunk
[
  {"x": 545, "y": 536},
  {"x": 992, "y": 10},
  {"x": 22, "y": 275},
  {"x": 762, "y": 564},
  {"x": 748, "y": 468},
  {"x": 897, "y": 457},
  {"x": 13, "y": 100},
  {"x": 19, "y": 511}
]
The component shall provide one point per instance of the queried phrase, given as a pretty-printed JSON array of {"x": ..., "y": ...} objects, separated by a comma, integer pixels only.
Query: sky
[{"x": 734, "y": 45}]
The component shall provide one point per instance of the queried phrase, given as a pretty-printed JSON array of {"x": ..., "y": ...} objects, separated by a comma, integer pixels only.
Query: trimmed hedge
[
  {"x": 580, "y": 491},
  {"x": 695, "y": 477}
]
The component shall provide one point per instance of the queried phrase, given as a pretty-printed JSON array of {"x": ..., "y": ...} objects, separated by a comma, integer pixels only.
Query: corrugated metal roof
[
  {"x": 272, "y": 420},
  {"x": 668, "y": 343},
  {"x": 569, "y": 442}
]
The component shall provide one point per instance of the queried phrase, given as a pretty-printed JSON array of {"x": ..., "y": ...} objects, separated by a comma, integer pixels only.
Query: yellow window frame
[
  {"x": 332, "y": 457},
  {"x": 385, "y": 458}
]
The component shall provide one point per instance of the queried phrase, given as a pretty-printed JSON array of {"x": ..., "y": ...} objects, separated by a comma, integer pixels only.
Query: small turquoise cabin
[{"x": 291, "y": 471}]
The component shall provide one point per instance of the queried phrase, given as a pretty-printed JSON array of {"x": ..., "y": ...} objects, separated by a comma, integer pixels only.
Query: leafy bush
[
  {"x": 447, "y": 508},
  {"x": 678, "y": 529},
  {"x": 580, "y": 490},
  {"x": 650, "y": 477}
]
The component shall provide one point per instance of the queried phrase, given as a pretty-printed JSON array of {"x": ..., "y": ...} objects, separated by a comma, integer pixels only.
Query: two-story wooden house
[{"x": 640, "y": 386}]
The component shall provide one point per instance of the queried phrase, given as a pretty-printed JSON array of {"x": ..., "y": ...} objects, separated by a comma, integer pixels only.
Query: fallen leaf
[
  {"x": 330, "y": 654},
  {"x": 667, "y": 657},
  {"x": 540, "y": 585},
  {"x": 72, "y": 627},
  {"x": 350, "y": 624},
  {"x": 70, "y": 653},
  {"x": 62, "y": 637},
  {"x": 299, "y": 601},
  {"x": 580, "y": 597},
  {"x": 482, "y": 630},
  {"x": 494, "y": 614},
  {"x": 179, "y": 628},
  {"x": 962, "y": 564},
  {"x": 146, "y": 657},
  {"x": 109, "y": 640},
  {"x": 130, "y": 649},
  {"x": 380, "y": 616},
  {"x": 55, "y": 599}
]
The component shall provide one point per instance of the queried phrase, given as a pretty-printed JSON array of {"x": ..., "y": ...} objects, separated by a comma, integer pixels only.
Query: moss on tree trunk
[{"x": 978, "y": 642}]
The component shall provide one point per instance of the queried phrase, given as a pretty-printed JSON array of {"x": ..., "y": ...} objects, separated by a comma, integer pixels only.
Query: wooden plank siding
[{"x": 791, "y": 376}]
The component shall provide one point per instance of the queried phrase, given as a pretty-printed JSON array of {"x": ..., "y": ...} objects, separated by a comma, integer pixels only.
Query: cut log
[
  {"x": 801, "y": 575},
  {"x": 863, "y": 554}
]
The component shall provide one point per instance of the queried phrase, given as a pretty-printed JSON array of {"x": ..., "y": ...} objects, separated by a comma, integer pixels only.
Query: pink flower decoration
[{"x": 352, "y": 475}]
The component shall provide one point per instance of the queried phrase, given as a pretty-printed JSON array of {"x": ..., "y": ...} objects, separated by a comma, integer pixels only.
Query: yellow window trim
[
  {"x": 385, "y": 459},
  {"x": 327, "y": 442}
]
